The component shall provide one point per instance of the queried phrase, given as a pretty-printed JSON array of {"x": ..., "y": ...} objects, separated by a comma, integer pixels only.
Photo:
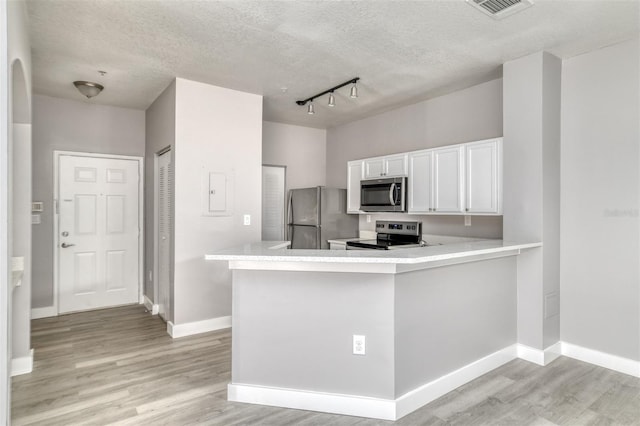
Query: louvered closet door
[
  {"x": 98, "y": 246},
  {"x": 164, "y": 196}
]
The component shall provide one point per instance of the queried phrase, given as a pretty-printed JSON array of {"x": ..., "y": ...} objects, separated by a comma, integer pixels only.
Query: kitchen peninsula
[{"x": 427, "y": 320}]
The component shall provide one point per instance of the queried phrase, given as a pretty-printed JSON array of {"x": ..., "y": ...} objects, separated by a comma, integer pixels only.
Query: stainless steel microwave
[{"x": 383, "y": 195}]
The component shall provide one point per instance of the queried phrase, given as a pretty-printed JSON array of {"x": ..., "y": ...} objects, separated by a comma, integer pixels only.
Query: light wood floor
[{"x": 118, "y": 366}]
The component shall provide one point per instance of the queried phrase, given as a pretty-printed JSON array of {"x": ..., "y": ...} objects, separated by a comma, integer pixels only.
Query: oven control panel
[{"x": 399, "y": 228}]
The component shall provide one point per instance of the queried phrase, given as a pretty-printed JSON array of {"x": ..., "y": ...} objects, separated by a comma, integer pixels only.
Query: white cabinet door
[
  {"x": 448, "y": 178},
  {"x": 420, "y": 182},
  {"x": 374, "y": 167},
  {"x": 395, "y": 165},
  {"x": 389, "y": 166},
  {"x": 355, "y": 173},
  {"x": 483, "y": 175}
]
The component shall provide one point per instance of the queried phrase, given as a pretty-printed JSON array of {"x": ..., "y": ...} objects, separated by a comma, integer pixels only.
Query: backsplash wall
[{"x": 481, "y": 226}]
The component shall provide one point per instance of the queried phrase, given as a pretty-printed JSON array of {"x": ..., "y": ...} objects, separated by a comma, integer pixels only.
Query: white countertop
[{"x": 275, "y": 251}]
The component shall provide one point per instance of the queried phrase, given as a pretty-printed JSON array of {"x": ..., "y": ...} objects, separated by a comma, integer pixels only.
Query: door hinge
[{"x": 57, "y": 208}]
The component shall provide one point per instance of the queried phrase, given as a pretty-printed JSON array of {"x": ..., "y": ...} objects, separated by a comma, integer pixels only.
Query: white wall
[
  {"x": 531, "y": 190},
  {"x": 62, "y": 124},
  {"x": 464, "y": 116},
  {"x": 15, "y": 109},
  {"x": 217, "y": 130},
  {"x": 160, "y": 133},
  {"x": 600, "y": 223},
  {"x": 303, "y": 150}
]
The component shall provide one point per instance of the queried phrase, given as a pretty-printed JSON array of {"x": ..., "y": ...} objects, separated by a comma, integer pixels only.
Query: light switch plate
[{"x": 247, "y": 219}]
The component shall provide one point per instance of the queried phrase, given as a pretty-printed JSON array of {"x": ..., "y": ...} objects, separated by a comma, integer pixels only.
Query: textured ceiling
[{"x": 403, "y": 51}]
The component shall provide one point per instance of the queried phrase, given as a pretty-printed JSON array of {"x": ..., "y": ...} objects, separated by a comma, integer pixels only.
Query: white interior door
[
  {"x": 98, "y": 232},
  {"x": 273, "y": 201},
  {"x": 163, "y": 232}
]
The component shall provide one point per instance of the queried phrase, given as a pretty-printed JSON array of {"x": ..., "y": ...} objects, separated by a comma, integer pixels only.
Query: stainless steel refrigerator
[{"x": 315, "y": 215}]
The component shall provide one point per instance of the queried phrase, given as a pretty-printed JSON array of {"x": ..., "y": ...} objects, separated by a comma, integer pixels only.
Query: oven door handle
[{"x": 392, "y": 194}]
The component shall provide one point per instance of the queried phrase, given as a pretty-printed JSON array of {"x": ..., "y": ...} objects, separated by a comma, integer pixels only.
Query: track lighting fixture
[{"x": 332, "y": 99}]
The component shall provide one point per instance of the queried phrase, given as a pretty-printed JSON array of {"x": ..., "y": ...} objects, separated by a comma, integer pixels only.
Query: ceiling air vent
[{"x": 499, "y": 9}]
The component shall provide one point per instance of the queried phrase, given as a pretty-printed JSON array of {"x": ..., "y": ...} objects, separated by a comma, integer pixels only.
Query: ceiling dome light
[
  {"x": 88, "y": 88},
  {"x": 310, "y": 109},
  {"x": 332, "y": 100},
  {"x": 354, "y": 91}
]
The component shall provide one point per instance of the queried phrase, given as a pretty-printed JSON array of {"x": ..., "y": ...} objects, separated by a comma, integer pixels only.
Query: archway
[{"x": 19, "y": 215}]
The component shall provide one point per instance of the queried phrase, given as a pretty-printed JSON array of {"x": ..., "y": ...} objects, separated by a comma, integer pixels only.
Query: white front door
[{"x": 98, "y": 232}]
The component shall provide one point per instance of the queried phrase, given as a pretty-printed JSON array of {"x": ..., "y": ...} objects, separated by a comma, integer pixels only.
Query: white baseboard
[
  {"x": 349, "y": 405},
  {"x": 602, "y": 359},
  {"x": 433, "y": 390},
  {"x": 539, "y": 356},
  {"x": 386, "y": 409},
  {"x": 22, "y": 365},
  {"x": 197, "y": 327},
  {"x": 46, "y": 312},
  {"x": 151, "y": 307}
]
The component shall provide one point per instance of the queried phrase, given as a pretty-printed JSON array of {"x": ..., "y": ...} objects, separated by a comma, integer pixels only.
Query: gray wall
[
  {"x": 446, "y": 318},
  {"x": 62, "y": 124},
  {"x": 294, "y": 330},
  {"x": 160, "y": 125},
  {"x": 531, "y": 190},
  {"x": 600, "y": 233},
  {"x": 464, "y": 116},
  {"x": 302, "y": 150},
  {"x": 217, "y": 130}
]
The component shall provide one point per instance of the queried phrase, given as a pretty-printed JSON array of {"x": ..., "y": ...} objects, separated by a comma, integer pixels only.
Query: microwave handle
[{"x": 392, "y": 194}]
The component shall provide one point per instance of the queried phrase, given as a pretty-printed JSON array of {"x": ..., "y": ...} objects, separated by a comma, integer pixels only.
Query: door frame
[
  {"x": 56, "y": 233},
  {"x": 156, "y": 220}
]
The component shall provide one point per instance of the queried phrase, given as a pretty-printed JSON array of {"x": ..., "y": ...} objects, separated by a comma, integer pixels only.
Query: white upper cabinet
[
  {"x": 355, "y": 172},
  {"x": 420, "y": 182},
  {"x": 457, "y": 179},
  {"x": 389, "y": 166},
  {"x": 483, "y": 176},
  {"x": 448, "y": 178}
]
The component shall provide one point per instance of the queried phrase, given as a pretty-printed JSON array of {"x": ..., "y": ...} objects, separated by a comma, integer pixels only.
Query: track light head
[
  {"x": 310, "y": 109},
  {"x": 354, "y": 90},
  {"x": 332, "y": 100}
]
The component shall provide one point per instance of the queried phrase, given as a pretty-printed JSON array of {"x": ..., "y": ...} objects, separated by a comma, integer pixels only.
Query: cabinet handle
[{"x": 467, "y": 209}]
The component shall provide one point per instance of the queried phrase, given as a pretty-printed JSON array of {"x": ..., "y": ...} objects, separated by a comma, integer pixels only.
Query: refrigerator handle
[
  {"x": 288, "y": 233},
  {"x": 290, "y": 230},
  {"x": 319, "y": 204}
]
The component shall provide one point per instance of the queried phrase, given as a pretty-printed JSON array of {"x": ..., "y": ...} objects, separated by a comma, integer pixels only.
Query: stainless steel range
[{"x": 390, "y": 236}]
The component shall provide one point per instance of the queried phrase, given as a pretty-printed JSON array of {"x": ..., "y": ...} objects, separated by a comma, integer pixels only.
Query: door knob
[{"x": 65, "y": 245}]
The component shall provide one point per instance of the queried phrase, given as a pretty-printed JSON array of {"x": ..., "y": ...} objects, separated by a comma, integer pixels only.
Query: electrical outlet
[
  {"x": 368, "y": 218},
  {"x": 247, "y": 219},
  {"x": 467, "y": 220},
  {"x": 359, "y": 345}
]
